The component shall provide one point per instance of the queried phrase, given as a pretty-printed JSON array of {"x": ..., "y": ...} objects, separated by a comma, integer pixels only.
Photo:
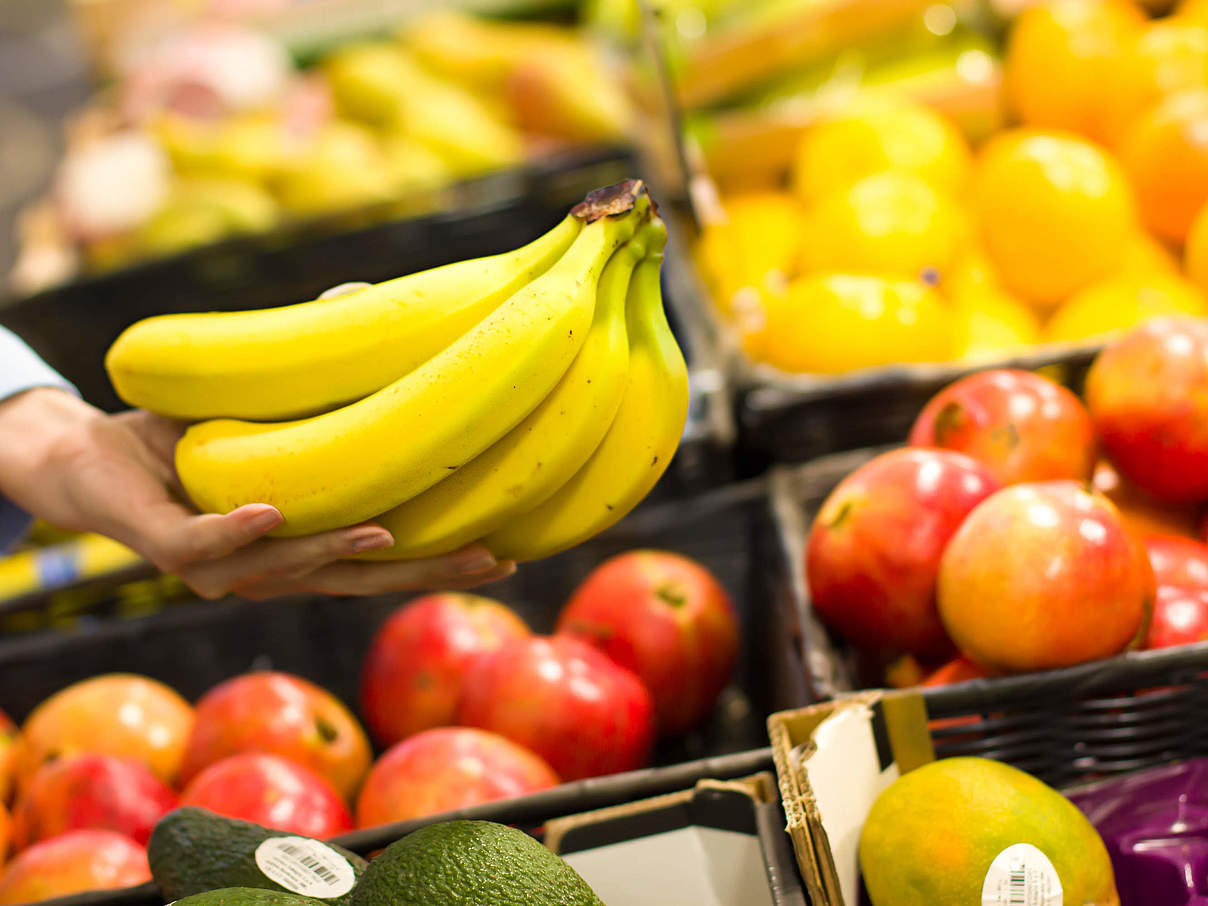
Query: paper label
[
  {"x": 305, "y": 866},
  {"x": 1021, "y": 875}
]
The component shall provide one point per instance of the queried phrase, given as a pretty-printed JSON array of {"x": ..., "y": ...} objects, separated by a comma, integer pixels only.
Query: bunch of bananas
[{"x": 527, "y": 400}]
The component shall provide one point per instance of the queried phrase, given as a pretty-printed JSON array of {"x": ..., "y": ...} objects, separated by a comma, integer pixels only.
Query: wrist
[{"x": 40, "y": 429}]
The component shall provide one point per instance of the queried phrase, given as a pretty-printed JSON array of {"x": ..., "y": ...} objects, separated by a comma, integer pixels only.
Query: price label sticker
[
  {"x": 305, "y": 866},
  {"x": 1021, "y": 875}
]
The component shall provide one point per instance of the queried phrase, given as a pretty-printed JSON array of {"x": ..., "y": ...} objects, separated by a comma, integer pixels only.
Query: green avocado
[
  {"x": 456, "y": 863},
  {"x": 193, "y": 850},
  {"x": 245, "y": 896}
]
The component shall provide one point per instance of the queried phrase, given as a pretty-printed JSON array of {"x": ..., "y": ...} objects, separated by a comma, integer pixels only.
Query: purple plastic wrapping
[{"x": 1155, "y": 825}]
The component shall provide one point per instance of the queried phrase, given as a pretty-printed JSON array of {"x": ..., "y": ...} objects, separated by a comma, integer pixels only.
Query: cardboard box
[
  {"x": 721, "y": 843},
  {"x": 832, "y": 761}
]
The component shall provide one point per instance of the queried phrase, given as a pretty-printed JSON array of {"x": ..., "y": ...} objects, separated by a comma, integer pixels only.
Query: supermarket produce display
[{"x": 873, "y": 454}]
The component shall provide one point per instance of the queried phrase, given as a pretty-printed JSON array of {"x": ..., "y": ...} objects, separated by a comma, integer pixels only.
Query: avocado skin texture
[
  {"x": 246, "y": 896},
  {"x": 192, "y": 850},
  {"x": 455, "y": 863}
]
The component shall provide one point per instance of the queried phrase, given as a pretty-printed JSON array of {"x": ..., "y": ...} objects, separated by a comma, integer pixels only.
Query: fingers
[
  {"x": 463, "y": 569},
  {"x": 184, "y": 541},
  {"x": 282, "y": 562}
]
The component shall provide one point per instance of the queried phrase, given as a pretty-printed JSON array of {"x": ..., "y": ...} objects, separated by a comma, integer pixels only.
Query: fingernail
[
  {"x": 371, "y": 540},
  {"x": 266, "y": 520},
  {"x": 472, "y": 562}
]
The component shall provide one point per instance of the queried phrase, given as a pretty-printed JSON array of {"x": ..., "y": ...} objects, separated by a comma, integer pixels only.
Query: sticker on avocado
[
  {"x": 1021, "y": 875},
  {"x": 305, "y": 866}
]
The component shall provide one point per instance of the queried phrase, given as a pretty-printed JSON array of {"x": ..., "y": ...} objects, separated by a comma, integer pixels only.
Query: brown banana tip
[{"x": 610, "y": 201}]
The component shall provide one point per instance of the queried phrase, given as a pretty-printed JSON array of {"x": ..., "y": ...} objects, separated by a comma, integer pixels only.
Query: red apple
[
  {"x": 1177, "y": 561},
  {"x": 272, "y": 791},
  {"x": 73, "y": 862},
  {"x": 1142, "y": 515},
  {"x": 1148, "y": 394},
  {"x": 564, "y": 700},
  {"x": 668, "y": 620},
  {"x": 1180, "y": 616},
  {"x": 114, "y": 714},
  {"x": 282, "y": 714},
  {"x": 445, "y": 769},
  {"x": 8, "y": 757},
  {"x": 6, "y": 830},
  {"x": 413, "y": 673},
  {"x": 1021, "y": 426},
  {"x": 1044, "y": 575},
  {"x": 874, "y": 549},
  {"x": 91, "y": 791}
]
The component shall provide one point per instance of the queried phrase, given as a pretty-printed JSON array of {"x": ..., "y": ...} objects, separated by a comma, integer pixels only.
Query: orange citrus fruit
[
  {"x": 1166, "y": 154},
  {"x": 877, "y": 135},
  {"x": 888, "y": 223},
  {"x": 1055, "y": 212},
  {"x": 1170, "y": 55},
  {"x": 831, "y": 323},
  {"x": 1195, "y": 253},
  {"x": 1120, "y": 303},
  {"x": 1059, "y": 56},
  {"x": 759, "y": 241}
]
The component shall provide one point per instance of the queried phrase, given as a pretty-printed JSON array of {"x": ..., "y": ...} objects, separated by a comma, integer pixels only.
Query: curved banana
[
  {"x": 539, "y": 455},
  {"x": 345, "y": 466},
  {"x": 638, "y": 446},
  {"x": 288, "y": 362}
]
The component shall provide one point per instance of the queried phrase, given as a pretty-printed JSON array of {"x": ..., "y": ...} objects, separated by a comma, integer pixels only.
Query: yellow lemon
[
  {"x": 758, "y": 243},
  {"x": 988, "y": 324},
  {"x": 1055, "y": 213},
  {"x": 878, "y": 135},
  {"x": 889, "y": 223},
  {"x": 1121, "y": 303},
  {"x": 831, "y": 323},
  {"x": 1195, "y": 254}
]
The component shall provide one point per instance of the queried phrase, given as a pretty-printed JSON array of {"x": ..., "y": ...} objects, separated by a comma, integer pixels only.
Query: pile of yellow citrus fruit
[{"x": 893, "y": 241}]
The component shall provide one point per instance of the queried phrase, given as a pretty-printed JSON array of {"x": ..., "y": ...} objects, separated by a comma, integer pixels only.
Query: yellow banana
[
  {"x": 541, "y": 453},
  {"x": 638, "y": 446},
  {"x": 345, "y": 466},
  {"x": 289, "y": 362}
]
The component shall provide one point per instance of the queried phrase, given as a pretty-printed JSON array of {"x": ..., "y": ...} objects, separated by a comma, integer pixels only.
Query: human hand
[{"x": 78, "y": 468}]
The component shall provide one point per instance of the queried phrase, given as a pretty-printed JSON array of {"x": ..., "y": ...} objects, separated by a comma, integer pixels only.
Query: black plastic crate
[
  {"x": 1118, "y": 714},
  {"x": 72, "y": 326},
  {"x": 192, "y": 647}
]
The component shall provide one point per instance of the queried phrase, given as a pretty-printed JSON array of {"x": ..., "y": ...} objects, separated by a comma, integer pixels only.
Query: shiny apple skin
[
  {"x": 412, "y": 676},
  {"x": 566, "y": 701},
  {"x": 446, "y": 769},
  {"x": 1044, "y": 575},
  {"x": 74, "y": 862},
  {"x": 1148, "y": 395},
  {"x": 666, "y": 618},
  {"x": 286, "y": 715},
  {"x": 874, "y": 550},
  {"x": 271, "y": 791},
  {"x": 1019, "y": 425}
]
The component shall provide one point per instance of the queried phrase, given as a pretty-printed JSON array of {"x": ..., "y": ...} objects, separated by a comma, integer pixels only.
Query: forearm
[{"x": 43, "y": 431}]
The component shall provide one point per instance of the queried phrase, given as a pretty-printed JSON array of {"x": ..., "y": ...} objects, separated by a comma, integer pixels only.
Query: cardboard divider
[
  {"x": 704, "y": 846},
  {"x": 832, "y": 762}
]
